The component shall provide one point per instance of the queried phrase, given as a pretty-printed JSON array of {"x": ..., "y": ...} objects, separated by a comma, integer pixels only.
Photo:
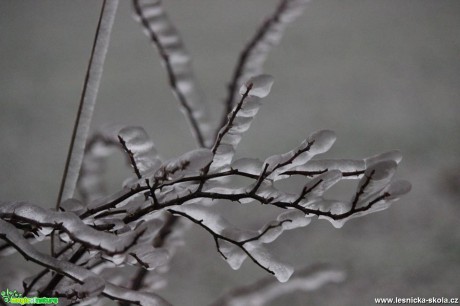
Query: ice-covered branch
[
  {"x": 91, "y": 284},
  {"x": 29, "y": 283},
  {"x": 352, "y": 169},
  {"x": 251, "y": 247},
  {"x": 317, "y": 143},
  {"x": 123, "y": 225},
  {"x": 70, "y": 224},
  {"x": 239, "y": 120},
  {"x": 140, "y": 149},
  {"x": 310, "y": 201},
  {"x": 134, "y": 141},
  {"x": 254, "y": 55},
  {"x": 177, "y": 61}
]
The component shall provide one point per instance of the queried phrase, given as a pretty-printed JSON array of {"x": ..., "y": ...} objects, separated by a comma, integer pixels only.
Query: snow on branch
[{"x": 177, "y": 61}]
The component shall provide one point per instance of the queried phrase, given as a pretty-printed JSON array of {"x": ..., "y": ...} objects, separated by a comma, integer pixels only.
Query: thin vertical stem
[{"x": 87, "y": 102}]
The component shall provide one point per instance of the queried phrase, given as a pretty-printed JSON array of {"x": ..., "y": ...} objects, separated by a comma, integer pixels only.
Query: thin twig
[
  {"x": 130, "y": 156},
  {"x": 216, "y": 236},
  {"x": 229, "y": 121}
]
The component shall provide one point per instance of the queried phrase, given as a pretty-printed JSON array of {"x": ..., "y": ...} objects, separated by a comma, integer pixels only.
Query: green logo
[
  {"x": 8, "y": 295},
  {"x": 14, "y": 297}
]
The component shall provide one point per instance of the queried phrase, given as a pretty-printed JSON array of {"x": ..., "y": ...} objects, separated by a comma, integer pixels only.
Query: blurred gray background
[{"x": 383, "y": 74}]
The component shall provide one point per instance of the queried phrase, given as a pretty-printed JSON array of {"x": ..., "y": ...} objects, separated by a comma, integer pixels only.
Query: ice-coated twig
[
  {"x": 350, "y": 169},
  {"x": 315, "y": 144},
  {"x": 87, "y": 101},
  {"x": 130, "y": 156},
  {"x": 141, "y": 151},
  {"x": 267, "y": 289},
  {"x": 254, "y": 55},
  {"x": 239, "y": 120},
  {"x": 251, "y": 248},
  {"x": 177, "y": 61},
  {"x": 134, "y": 141}
]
